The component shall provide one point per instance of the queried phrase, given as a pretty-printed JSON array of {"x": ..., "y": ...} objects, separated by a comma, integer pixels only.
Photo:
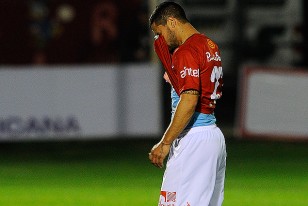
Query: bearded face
[
  {"x": 168, "y": 34},
  {"x": 171, "y": 40}
]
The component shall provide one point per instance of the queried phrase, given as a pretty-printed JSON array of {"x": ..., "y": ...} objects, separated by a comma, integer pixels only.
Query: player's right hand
[{"x": 159, "y": 153}]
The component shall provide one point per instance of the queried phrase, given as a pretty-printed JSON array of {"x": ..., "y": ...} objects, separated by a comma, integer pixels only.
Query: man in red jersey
[{"x": 195, "y": 170}]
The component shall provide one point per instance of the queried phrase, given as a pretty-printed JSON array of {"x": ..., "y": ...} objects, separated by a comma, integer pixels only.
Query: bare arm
[{"x": 184, "y": 111}]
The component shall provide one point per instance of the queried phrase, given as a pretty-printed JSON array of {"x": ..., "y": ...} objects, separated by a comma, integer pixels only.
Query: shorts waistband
[{"x": 196, "y": 129}]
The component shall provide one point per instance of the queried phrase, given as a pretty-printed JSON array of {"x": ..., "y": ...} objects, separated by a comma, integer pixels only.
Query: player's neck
[{"x": 187, "y": 31}]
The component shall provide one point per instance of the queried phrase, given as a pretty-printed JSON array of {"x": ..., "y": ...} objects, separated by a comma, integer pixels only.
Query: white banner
[
  {"x": 273, "y": 103},
  {"x": 79, "y": 101}
]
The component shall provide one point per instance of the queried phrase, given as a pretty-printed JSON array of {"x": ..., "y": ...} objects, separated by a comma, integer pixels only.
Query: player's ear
[{"x": 171, "y": 22}]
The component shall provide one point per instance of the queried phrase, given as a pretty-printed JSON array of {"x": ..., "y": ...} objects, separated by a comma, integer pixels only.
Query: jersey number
[{"x": 215, "y": 76}]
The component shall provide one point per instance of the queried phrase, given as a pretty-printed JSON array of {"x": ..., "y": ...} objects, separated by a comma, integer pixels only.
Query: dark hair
[{"x": 165, "y": 10}]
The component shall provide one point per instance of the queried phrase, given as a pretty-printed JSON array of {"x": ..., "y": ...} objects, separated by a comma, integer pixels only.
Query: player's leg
[
  {"x": 206, "y": 149},
  {"x": 172, "y": 176},
  {"x": 218, "y": 194}
]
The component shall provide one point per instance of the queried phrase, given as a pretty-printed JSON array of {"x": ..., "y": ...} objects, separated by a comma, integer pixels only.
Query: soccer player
[{"x": 195, "y": 170}]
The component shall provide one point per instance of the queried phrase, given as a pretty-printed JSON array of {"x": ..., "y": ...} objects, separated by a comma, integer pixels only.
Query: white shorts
[{"x": 195, "y": 171}]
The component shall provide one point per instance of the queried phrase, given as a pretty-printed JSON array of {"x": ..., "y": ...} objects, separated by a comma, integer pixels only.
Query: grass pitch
[{"x": 118, "y": 173}]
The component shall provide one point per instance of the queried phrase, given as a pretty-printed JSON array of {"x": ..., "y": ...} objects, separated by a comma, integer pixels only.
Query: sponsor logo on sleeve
[
  {"x": 211, "y": 44},
  {"x": 213, "y": 57}
]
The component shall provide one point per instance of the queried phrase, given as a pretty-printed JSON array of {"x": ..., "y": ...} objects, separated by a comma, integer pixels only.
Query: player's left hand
[
  {"x": 166, "y": 77},
  {"x": 159, "y": 153}
]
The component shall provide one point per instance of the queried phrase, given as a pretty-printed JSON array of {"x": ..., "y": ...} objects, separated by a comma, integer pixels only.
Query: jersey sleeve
[
  {"x": 188, "y": 71},
  {"x": 162, "y": 51}
]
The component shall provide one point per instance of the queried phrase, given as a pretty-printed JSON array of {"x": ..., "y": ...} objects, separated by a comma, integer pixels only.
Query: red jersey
[{"x": 197, "y": 65}]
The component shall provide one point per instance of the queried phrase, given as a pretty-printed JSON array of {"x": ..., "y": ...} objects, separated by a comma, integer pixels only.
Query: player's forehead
[{"x": 157, "y": 29}]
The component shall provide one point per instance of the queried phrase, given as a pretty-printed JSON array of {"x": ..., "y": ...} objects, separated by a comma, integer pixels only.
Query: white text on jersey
[
  {"x": 214, "y": 57},
  {"x": 190, "y": 72}
]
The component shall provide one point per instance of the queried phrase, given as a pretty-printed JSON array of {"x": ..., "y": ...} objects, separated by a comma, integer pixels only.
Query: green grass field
[{"x": 118, "y": 173}]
